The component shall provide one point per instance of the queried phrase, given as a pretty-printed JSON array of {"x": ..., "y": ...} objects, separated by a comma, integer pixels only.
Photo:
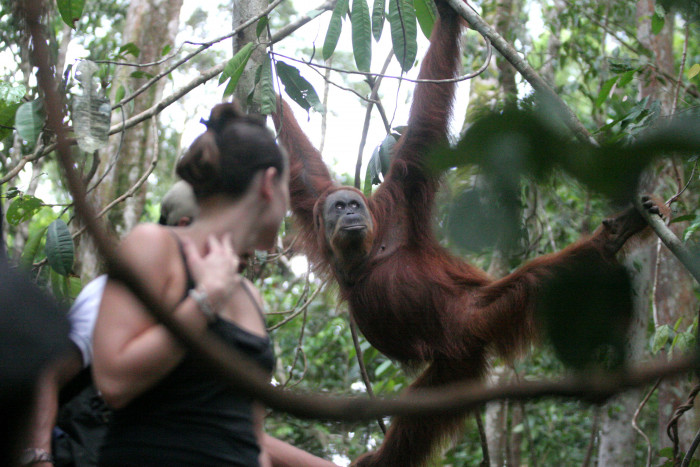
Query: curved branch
[
  {"x": 290, "y": 28},
  {"x": 482, "y": 68},
  {"x": 38, "y": 153}
]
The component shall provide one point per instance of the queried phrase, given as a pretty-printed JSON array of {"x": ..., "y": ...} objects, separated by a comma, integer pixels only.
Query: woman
[{"x": 168, "y": 410}]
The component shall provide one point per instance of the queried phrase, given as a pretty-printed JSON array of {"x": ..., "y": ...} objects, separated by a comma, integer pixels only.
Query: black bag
[{"x": 81, "y": 424}]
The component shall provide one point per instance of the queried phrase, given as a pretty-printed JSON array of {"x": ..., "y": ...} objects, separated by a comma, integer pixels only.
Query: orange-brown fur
[{"x": 410, "y": 297}]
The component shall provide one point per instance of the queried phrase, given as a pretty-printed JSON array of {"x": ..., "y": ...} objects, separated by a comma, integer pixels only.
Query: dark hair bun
[
  {"x": 201, "y": 164},
  {"x": 223, "y": 114},
  {"x": 225, "y": 158}
]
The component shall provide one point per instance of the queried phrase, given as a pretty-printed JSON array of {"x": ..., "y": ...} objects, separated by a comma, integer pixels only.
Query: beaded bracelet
[
  {"x": 32, "y": 456},
  {"x": 202, "y": 299}
]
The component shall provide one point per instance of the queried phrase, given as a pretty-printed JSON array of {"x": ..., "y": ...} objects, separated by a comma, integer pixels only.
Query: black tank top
[{"x": 191, "y": 418}]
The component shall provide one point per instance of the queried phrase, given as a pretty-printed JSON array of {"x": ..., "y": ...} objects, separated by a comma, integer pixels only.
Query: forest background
[{"x": 146, "y": 71}]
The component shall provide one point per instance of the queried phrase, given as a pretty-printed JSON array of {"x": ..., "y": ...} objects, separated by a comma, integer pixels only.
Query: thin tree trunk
[
  {"x": 151, "y": 25},
  {"x": 617, "y": 436},
  {"x": 674, "y": 298},
  {"x": 496, "y": 419},
  {"x": 242, "y": 11}
]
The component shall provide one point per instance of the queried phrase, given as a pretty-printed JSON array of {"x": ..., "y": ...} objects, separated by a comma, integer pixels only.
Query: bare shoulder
[
  {"x": 253, "y": 290},
  {"x": 148, "y": 248}
]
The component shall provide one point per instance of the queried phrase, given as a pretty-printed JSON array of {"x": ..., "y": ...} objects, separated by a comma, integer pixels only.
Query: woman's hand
[{"x": 216, "y": 272}]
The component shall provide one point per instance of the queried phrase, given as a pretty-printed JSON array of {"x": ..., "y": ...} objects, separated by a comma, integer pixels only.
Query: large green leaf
[
  {"x": 262, "y": 26},
  {"x": 234, "y": 68},
  {"x": 297, "y": 88},
  {"x": 381, "y": 158},
  {"x": 425, "y": 16},
  {"x": 59, "y": 247},
  {"x": 31, "y": 248},
  {"x": 267, "y": 96},
  {"x": 402, "y": 19},
  {"x": 23, "y": 208},
  {"x": 661, "y": 337},
  {"x": 29, "y": 120},
  {"x": 361, "y": 35},
  {"x": 10, "y": 100},
  {"x": 378, "y": 15},
  {"x": 334, "y": 28},
  {"x": 605, "y": 91},
  {"x": 70, "y": 10}
]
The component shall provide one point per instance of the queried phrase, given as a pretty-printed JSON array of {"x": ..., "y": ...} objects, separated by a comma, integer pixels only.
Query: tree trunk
[
  {"x": 243, "y": 11},
  {"x": 151, "y": 25},
  {"x": 617, "y": 436},
  {"x": 674, "y": 298},
  {"x": 496, "y": 418}
]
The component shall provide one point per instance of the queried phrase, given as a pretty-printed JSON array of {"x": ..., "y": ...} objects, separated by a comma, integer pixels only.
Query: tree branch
[{"x": 684, "y": 255}]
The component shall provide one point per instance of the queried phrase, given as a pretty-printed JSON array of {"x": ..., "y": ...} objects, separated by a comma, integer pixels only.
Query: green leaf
[
  {"x": 262, "y": 26},
  {"x": 235, "y": 67},
  {"x": 381, "y": 158},
  {"x": 678, "y": 324},
  {"x": 130, "y": 48},
  {"x": 31, "y": 248},
  {"x": 425, "y": 16},
  {"x": 382, "y": 368},
  {"x": 626, "y": 78},
  {"x": 693, "y": 71},
  {"x": 29, "y": 120},
  {"x": 70, "y": 11},
  {"x": 361, "y": 35},
  {"x": 334, "y": 28},
  {"x": 657, "y": 23},
  {"x": 10, "y": 100},
  {"x": 12, "y": 94},
  {"x": 141, "y": 74},
  {"x": 684, "y": 342},
  {"x": 121, "y": 92},
  {"x": 661, "y": 337},
  {"x": 59, "y": 247},
  {"x": 378, "y": 15},
  {"x": 367, "y": 187},
  {"x": 23, "y": 208},
  {"x": 402, "y": 19},
  {"x": 166, "y": 50},
  {"x": 268, "y": 97},
  {"x": 605, "y": 91},
  {"x": 12, "y": 192},
  {"x": 298, "y": 88}
]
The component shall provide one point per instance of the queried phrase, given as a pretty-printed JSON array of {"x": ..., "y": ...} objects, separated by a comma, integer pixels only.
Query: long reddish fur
[{"x": 412, "y": 299}]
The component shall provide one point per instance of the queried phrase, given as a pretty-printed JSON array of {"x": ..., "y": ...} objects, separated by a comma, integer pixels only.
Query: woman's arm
[
  {"x": 132, "y": 352},
  {"x": 283, "y": 454}
]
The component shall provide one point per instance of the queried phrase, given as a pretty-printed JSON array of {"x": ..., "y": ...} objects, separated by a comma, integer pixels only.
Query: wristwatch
[{"x": 31, "y": 456}]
